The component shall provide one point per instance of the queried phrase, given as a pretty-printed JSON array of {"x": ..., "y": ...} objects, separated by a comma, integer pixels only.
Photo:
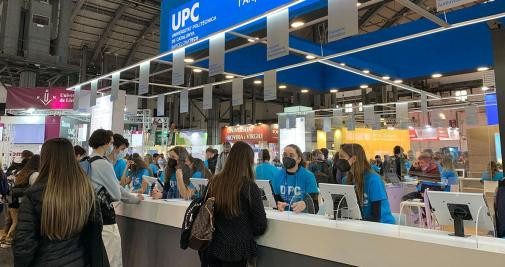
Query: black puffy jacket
[
  {"x": 32, "y": 249},
  {"x": 500, "y": 210}
]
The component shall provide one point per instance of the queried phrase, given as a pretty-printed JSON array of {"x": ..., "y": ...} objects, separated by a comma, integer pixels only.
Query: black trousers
[{"x": 208, "y": 260}]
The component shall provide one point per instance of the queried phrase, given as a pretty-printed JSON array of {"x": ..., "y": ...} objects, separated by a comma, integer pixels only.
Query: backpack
[
  {"x": 104, "y": 198},
  {"x": 4, "y": 185},
  {"x": 198, "y": 224}
]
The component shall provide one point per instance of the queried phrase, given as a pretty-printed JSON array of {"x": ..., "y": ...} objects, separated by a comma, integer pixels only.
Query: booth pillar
[{"x": 499, "y": 68}]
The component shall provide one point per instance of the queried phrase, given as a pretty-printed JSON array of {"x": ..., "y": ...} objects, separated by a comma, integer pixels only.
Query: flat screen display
[{"x": 29, "y": 133}]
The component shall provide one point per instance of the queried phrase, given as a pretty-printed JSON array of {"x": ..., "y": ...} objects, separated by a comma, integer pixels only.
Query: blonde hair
[{"x": 69, "y": 197}]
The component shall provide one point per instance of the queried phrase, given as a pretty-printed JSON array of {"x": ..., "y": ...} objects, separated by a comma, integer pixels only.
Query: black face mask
[
  {"x": 172, "y": 163},
  {"x": 288, "y": 163},
  {"x": 343, "y": 165}
]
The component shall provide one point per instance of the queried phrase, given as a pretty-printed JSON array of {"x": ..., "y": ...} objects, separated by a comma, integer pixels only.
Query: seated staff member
[
  {"x": 138, "y": 169},
  {"x": 151, "y": 161},
  {"x": 449, "y": 177},
  {"x": 117, "y": 156},
  {"x": 370, "y": 188},
  {"x": 492, "y": 173},
  {"x": 175, "y": 178},
  {"x": 265, "y": 170},
  {"x": 198, "y": 169},
  {"x": 294, "y": 181}
]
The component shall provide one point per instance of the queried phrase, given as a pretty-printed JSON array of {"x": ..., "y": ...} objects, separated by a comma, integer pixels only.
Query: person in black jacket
[
  {"x": 21, "y": 183},
  {"x": 16, "y": 167},
  {"x": 500, "y": 210},
  {"x": 239, "y": 215},
  {"x": 59, "y": 219}
]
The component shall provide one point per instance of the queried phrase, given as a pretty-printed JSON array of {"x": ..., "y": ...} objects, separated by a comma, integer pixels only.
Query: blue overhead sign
[{"x": 197, "y": 19}]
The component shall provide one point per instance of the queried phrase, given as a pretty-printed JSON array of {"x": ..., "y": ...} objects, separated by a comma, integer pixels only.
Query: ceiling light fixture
[
  {"x": 282, "y": 87},
  {"x": 258, "y": 82},
  {"x": 436, "y": 75},
  {"x": 310, "y": 57},
  {"x": 387, "y": 78},
  {"x": 189, "y": 60},
  {"x": 304, "y": 91},
  {"x": 229, "y": 76},
  {"x": 366, "y": 71},
  {"x": 482, "y": 68},
  {"x": 363, "y": 86},
  {"x": 398, "y": 81},
  {"x": 197, "y": 70},
  {"x": 333, "y": 91},
  {"x": 297, "y": 24}
]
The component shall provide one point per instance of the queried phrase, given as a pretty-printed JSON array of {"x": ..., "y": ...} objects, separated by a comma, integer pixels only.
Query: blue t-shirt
[
  {"x": 498, "y": 176},
  {"x": 374, "y": 191},
  {"x": 119, "y": 168},
  {"x": 173, "y": 192},
  {"x": 297, "y": 185},
  {"x": 154, "y": 169},
  {"x": 376, "y": 168},
  {"x": 449, "y": 178},
  {"x": 197, "y": 174},
  {"x": 206, "y": 163},
  {"x": 266, "y": 171},
  {"x": 137, "y": 178}
]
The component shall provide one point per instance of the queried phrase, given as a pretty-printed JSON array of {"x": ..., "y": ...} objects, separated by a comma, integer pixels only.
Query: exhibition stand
[{"x": 304, "y": 240}]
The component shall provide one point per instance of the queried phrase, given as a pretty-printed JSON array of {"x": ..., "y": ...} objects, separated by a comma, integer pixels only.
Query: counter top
[{"x": 357, "y": 243}]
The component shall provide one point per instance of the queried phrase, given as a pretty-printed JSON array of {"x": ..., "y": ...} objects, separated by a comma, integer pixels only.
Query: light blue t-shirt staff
[
  {"x": 374, "y": 191},
  {"x": 498, "y": 176},
  {"x": 297, "y": 185},
  {"x": 119, "y": 168},
  {"x": 137, "y": 178},
  {"x": 173, "y": 193},
  {"x": 266, "y": 171},
  {"x": 154, "y": 169}
]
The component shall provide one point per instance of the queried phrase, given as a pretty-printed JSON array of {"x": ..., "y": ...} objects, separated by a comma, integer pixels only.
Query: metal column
[
  {"x": 253, "y": 106},
  {"x": 499, "y": 68}
]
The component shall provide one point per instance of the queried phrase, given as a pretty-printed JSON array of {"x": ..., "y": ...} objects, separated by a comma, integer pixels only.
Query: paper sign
[
  {"x": 178, "y": 67},
  {"x": 278, "y": 35},
  {"x": 184, "y": 104},
  {"x": 144, "y": 78},
  {"x": 270, "y": 91},
  {"x": 237, "y": 92},
  {"x": 216, "y": 55},
  {"x": 351, "y": 122},
  {"x": 115, "y": 86},
  {"x": 448, "y": 4},
  {"x": 92, "y": 96},
  {"x": 343, "y": 19},
  {"x": 207, "y": 96},
  {"x": 160, "y": 110}
]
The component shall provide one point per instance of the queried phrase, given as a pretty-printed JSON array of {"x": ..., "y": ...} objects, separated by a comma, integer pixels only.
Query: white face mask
[
  {"x": 109, "y": 150},
  {"x": 121, "y": 155}
]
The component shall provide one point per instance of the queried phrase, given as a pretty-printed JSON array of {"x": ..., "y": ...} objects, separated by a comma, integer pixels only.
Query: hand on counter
[
  {"x": 281, "y": 206},
  {"x": 140, "y": 196},
  {"x": 299, "y": 206},
  {"x": 155, "y": 194}
]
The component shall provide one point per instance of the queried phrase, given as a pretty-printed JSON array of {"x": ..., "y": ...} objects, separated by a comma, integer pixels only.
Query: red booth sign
[
  {"x": 39, "y": 98},
  {"x": 251, "y": 134}
]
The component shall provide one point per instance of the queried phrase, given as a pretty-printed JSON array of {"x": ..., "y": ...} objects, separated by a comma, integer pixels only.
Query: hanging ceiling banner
[
  {"x": 443, "y": 5},
  {"x": 278, "y": 35},
  {"x": 237, "y": 92},
  {"x": 327, "y": 124},
  {"x": 178, "y": 67},
  {"x": 488, "y": 79},
  {"x": 424, "y": 103},
  {"x": 351, "y": 122},
  {"x": 160, "y": 109},
  {"x": 471, "y": 115},
  {"x": 310, "y": 121},
  {"x": 216, "y": 55},
  {"x": 183, "y": 24},
  {"x": 337, "y": 118},
  {"x": 343, "y": 19},
  {"x": 369, "y": 113},
  {"x": 270, "y": 91},
  {"x": 207, "y": 96},
  {"x": 92, "y": 96},
  {"x": 77, "y": 94},
  {"x": 144, "y": 78},
  {"x": 402, "y": 115},
  {"x": 184, "y": 101},
  {"x": 115, "y": 86},
  {"x": 283, "y": 121}
]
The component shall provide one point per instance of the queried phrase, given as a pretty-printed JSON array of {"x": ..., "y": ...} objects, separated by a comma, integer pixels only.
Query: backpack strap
[{"x": 95, "y": 158}]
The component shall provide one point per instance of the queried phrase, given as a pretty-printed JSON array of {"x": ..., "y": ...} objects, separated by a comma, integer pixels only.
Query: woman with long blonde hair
[
  {"x": 59, "y": 221},
  {"x": 370, "y": 188}
]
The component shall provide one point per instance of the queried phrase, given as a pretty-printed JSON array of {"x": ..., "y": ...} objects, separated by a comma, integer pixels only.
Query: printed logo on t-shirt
[
  {"x": 365, "y": 199},
  {"x": 292, "y": 190}
]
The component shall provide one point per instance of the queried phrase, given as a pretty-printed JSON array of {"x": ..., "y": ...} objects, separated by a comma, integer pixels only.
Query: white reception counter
[{"x": 355, "y": 243}]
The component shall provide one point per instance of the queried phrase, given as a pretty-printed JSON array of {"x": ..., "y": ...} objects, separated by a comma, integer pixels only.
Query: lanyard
[{"x": 286, "y": 188}]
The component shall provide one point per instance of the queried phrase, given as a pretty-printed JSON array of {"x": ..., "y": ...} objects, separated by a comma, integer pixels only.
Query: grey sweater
[{"x": 102, "y": 175}]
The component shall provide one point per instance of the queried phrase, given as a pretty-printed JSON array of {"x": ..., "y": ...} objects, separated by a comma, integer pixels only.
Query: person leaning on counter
[
  {"x": 370, "y": 189},
  {"x": 294, "y": 182}
]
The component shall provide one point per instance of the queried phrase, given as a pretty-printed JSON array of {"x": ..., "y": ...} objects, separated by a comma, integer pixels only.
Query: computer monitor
[
  {"x": 461, "y": 210},
  {"x": 341, "y": 197},
  {"x": 268, "y": 195},
  {"x": 199, "y": 183}
]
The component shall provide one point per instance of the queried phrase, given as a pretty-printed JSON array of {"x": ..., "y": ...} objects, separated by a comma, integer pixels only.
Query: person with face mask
[
  {"x": 370, "y": 189},
  {"x": 221, "y": 161},
  {"x": 106, "y": 185},
  {"x": 175, "y": 179},
  {"x": 294, "y": 183},
  {"x": 117, "y": 156},
  {"x": 162, "y": 163}
]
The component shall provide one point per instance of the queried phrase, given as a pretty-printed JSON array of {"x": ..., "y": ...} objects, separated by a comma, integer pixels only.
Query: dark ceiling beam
[
  {"x": 107, "y": 32},
  {"x": 399, "y": 15},
  {"x": 148, "y": 30},
  {"x": 371, "y": 12},
  {"x": 76, "y": 10}
]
